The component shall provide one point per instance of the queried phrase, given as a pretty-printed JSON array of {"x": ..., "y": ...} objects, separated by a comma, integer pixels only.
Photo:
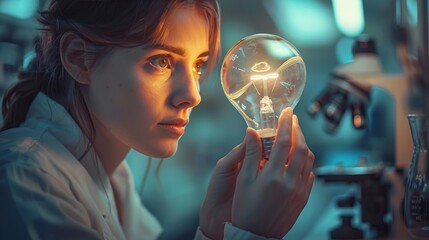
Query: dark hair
[{"x": 103, "y": 24}]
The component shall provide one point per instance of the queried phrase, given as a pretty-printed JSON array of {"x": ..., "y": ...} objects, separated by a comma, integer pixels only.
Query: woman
[{"x": 114, "y": 75}]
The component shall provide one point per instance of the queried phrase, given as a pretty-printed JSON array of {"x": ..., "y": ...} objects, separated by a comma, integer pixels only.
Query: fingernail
[
  {"x": 247, "y": 133},
  {"x": 288, "y": 112},
  {"x": 295, "y": 118},
  {"x": 249, "y": 137}
]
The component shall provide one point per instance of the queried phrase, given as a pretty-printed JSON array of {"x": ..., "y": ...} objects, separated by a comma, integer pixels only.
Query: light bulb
[{"x": 261, "y": 75}]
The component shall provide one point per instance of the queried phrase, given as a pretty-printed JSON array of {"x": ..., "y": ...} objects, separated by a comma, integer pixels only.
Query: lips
[
  {"x": 175, "y": 127},
  {"x": 177, "y": 122}
]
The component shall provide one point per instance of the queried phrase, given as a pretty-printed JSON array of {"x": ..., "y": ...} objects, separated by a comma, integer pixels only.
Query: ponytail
[
  {"x": 51, "y": 79},
  {"x": 17, "y": 99}
]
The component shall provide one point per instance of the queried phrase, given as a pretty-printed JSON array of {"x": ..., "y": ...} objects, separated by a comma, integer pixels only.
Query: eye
[
  {"x": 200, "y": 67},
  {"x": 160, "y": 63}
]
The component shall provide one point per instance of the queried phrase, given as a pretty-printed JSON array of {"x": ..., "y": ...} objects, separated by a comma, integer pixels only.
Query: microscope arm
[{"x": 398, "y": 87}]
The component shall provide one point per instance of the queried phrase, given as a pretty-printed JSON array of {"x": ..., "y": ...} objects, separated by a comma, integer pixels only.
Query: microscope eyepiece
[
  {"x": 358, "y": 115},
  {"x": 320, "y": 102},
  {"x": 335, "y": 109}
]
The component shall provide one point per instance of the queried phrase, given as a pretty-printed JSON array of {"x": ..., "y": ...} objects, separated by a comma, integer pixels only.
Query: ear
[{"x": 73, "y": 51}]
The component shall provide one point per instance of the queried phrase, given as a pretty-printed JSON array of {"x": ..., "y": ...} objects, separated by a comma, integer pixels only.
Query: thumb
[{"x": 253, "y": 152}]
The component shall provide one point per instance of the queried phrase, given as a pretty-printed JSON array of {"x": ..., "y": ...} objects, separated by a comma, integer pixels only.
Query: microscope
[{"x": 350, "y": 88}]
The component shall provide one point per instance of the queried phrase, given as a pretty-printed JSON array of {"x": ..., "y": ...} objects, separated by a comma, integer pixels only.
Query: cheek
[
  {"x": 129, "y": 104},
  {"x": 109, "y": 94},
  {"x": 127, "y": 101}
]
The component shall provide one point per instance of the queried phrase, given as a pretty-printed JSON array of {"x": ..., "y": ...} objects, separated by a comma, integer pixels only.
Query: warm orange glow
[
  {"x": 264, "y": 76},
  {"x": 357, "y": 120},
  {"x": 262, "y": 163},
  {"x": 295, "y": 126}
]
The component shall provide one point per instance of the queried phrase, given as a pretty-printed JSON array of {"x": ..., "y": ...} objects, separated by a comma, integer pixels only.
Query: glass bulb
[{"x": 261, "y": 75}]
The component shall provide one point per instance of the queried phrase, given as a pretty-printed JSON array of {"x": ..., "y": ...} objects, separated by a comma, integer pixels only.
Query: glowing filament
[{"x": 264, "y": 77}]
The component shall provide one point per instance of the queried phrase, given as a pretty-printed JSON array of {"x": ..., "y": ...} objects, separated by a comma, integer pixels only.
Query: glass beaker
[{"x": 417, "y": 188}]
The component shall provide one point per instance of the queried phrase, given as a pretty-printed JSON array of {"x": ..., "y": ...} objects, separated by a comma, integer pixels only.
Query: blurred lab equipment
[
  {"x": 412, "y": 49},
  {"x": 416, "y": 197},
  {"x": 261, "y": 75},
  {"x": 350, "y": 87},
  {"x": 17, "y": 30},
  {"x": 11, "y": 55},
  {"x": 417, "y": 191},
  {"x": 373, "y": 198}
]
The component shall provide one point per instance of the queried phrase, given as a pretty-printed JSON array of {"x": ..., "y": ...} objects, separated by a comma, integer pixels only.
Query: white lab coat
[{"x": 47, "y": 193}]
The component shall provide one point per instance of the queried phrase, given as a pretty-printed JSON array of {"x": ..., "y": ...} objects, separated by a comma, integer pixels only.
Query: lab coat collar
[{"x": 47, "y": 113}]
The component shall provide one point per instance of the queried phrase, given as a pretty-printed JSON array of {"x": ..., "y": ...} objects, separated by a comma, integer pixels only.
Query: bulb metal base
[{"x": 267, "y": 143}]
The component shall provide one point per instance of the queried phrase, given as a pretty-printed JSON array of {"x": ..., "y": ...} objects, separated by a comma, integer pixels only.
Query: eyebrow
[{"x": 168, "y": 48}]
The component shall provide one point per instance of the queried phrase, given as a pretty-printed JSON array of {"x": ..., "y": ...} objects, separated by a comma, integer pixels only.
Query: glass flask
[{"x": 417, "y": 187}]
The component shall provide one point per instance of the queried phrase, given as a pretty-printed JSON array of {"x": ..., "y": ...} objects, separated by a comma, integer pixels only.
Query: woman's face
[{"x": 143, "y": 96}]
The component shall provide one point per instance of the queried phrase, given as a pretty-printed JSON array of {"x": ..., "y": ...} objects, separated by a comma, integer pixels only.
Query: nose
[{"x": 186, "y": 92}]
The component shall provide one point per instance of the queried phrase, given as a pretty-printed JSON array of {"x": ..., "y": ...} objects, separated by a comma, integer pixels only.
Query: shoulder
[
  {"x": 25, "y": 160},
  {"x": 37, "y": 151},
  {"x": 20, "y": 147},
  {"x": 35, "y": 185},
  {"x": 20, "y": 138},
  {"x": 37, "y": 204}
]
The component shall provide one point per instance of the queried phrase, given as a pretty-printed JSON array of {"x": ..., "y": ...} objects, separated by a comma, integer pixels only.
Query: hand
[
  {"x": 268, "y": 201},
  {"x": 216, "y": 208}
]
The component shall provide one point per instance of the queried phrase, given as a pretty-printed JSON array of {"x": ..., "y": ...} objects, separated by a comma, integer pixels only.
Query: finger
[
  {"x": 309, "y": 184},
  {"x": 308, "y": 165},
  {"x": 231, "y": 161},
  {"x": 299, "y": 151},
  {"x": 280, "y": 151},
  {"x": 253, "y": 154}
]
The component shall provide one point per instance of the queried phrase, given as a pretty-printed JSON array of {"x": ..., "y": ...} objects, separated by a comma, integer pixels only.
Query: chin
[
  {"x": 161, "y": 151},
  {"x": 163, "y": 154}
]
